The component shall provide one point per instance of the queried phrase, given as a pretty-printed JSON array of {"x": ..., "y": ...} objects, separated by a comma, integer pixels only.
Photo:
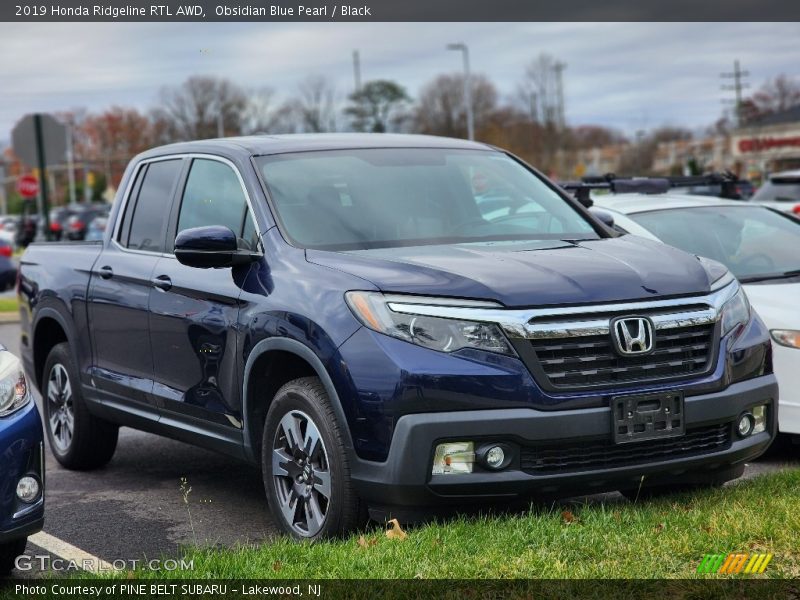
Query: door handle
[
  {"x": 106, "y": 272},
  {"x": 162, "y": 282}
]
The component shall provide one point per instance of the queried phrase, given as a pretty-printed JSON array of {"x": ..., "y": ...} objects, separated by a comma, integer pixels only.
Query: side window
[
  {"x": 147, "y": 227},
  {"x": 214, "y": 196}
]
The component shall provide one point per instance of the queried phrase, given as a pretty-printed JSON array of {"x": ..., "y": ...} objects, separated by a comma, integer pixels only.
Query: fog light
[
  {"x": 760, "y": 418},
  {"x": 746, "y": 424},
  {"x": 495, "y": 457},
  {"x": 28, "y": 489},
  {"x": 453, "y": 457}
]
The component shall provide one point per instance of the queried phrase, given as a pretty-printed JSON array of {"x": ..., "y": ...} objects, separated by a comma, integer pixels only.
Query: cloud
[{"x": 624, "y": 75}]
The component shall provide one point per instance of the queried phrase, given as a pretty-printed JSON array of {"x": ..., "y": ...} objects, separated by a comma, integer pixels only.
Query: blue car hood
[{"x": 528, "y": 273}]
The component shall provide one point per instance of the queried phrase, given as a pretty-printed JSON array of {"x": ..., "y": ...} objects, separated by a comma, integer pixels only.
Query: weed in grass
[{"x": 186, "y": 489}]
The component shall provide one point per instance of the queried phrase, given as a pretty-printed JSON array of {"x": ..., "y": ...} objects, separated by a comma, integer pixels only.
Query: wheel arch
[
  {"x": 49, "y": 330},
  {"x": 296, "y": 360}
]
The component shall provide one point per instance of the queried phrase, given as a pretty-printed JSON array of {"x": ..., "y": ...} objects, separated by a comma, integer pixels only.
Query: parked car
[
  {"x": 8, "y": 273},
  {"x": 6, "y": 248},
  {"x": 58, "y": 221},
  {"x": 8, "y": 229},
  {"x": 761, "y": 247},
  {"x": 78, "y": 223},
  {"x": 781, "y": 191},
  {"x": 27, "y": 229},
  {"x": 21, "y": 462},
  {"x": 336, "y": 310},
  {"x": 96, "y": 229},
  {"x": 743, "y": 189}
]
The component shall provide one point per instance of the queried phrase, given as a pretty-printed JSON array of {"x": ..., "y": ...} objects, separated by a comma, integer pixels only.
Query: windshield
[
  {"x": 779, "y": 189},
  {"x": 371, "y": 198},
  {"x": 751, "y": 241}
]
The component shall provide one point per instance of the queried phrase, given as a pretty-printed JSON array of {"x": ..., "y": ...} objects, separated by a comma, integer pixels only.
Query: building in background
[{"x": 768, "y": 144}]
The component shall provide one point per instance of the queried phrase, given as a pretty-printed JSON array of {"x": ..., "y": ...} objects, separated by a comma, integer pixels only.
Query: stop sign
[{"x": 28, "y": 186}]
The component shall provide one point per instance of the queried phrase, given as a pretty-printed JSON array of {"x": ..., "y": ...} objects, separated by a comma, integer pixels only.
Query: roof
[
  {"x": 302, "y": 142},
  {"x": 628, "y": 204},
  {"x": 795, "y": 173},
  {"x": 790, "y": 115}
]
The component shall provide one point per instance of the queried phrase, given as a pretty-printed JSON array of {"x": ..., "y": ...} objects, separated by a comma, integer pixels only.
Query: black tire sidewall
[{"x": 295, "y": 396}]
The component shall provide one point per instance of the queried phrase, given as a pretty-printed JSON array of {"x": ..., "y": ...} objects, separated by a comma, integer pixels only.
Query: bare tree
[
  {"x": 440, "y": 108},
  {"x": 776, "y": 95},
  {"x": 316, "y": 104},
  {"x": 540, "y": 93},
  {"x": 263, "y": 115},
  {"x": 193, "y": 109}
]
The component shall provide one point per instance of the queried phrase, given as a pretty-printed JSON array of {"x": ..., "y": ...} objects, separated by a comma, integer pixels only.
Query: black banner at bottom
[{"x": 388, "y": 589}]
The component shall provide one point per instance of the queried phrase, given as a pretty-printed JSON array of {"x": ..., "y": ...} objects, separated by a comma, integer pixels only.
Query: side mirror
[
  {"x": 210, "y": 247},
  {"x": 606, "y": 217}
]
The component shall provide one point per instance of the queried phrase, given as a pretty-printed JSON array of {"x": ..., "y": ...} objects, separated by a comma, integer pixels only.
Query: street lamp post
[{"x": 462, "y": 47}]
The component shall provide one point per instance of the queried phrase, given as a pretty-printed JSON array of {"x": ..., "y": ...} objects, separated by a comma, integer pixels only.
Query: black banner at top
[{"x": 397, "y": 10}]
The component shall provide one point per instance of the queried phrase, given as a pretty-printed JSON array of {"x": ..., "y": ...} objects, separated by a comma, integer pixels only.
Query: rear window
[
  {"x": 779, "y": 189},
  {"x": 148, "y": 215}
]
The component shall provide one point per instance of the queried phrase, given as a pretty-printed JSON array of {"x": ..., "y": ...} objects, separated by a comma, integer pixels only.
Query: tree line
[{"x": 530, "y": 122}]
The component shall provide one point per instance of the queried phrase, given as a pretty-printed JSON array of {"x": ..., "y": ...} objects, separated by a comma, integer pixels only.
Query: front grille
[
  {"x": 590, "y": 361},
  {"x": 599, "y": 455}
]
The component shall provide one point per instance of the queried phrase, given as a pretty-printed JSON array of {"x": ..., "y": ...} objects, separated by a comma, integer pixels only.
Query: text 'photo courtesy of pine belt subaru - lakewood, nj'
[{"x": 351, "y": 313}]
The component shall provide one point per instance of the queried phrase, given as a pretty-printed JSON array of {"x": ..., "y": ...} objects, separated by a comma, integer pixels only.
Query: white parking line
[{"x": 84, "y": 560}]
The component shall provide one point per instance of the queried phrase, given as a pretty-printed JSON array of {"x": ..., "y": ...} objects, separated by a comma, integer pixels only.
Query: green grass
[
  {"x": 9, "y": 305},
  {"x": 664, "y": 538}
]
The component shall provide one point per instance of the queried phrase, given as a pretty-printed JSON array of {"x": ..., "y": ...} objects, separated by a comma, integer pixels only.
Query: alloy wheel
[
  {"x": 60, "y": 411},
  {"x": 301, "y": 473}
]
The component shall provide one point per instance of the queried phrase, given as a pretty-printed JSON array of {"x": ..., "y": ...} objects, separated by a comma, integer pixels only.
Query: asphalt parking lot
[{"x": 133, "y": 509}]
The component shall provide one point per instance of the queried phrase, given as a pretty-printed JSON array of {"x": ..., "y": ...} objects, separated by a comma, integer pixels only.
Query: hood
[
  {"x": 519, "y": 274},
  {"x": 776, "y": 303}
]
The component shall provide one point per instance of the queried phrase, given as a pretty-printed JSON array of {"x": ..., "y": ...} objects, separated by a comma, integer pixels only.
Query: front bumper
[
  {"x": 404, "y": 480},
  {"x": 21, "y": 453}
]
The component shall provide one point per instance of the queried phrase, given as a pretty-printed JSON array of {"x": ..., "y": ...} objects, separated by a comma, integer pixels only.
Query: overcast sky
[{"x": 628, "y": 76}]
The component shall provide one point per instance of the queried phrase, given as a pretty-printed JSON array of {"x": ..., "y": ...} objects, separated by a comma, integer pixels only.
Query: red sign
[
  {"x": 28, "y": 186},
  {"x": 767, "y": 143}
]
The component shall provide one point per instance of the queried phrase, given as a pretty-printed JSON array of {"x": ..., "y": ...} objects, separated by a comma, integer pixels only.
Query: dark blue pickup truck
[{"x": 391, "y": 325}]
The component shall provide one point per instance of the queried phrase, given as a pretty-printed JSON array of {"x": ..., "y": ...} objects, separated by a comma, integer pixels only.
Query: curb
[{"x": 9, "y": 317}]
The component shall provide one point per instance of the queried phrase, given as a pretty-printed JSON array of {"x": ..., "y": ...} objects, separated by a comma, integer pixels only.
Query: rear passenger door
[
  {"x": 194, "y": 312},
  {"x": 120, "y": 288}
]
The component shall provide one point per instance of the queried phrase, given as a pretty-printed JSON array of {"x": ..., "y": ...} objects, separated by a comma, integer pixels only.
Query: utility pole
[
  {"x": 3, "y": 199},
  {"x": 558, "y": 69},
  {"x": 70, "y": 164},
  {"x": 738, "y": 85},
  {"x": 357, "y": 71},
  {"x": 462, "y": 47}
]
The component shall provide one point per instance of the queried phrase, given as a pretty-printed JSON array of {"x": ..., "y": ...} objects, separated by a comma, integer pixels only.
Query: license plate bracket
[{"x": 647, "y": 416}]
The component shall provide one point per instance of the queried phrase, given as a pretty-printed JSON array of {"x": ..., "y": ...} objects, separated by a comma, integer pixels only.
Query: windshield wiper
[{"x": 784, "y": 275}]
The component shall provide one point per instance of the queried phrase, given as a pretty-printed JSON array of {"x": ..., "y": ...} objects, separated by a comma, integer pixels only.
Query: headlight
[
  {"x": 13, "y": 392},
  {"x": 786, "y": 337},
  {"x": 436, "y": 333},
  {"x": 735, "y": 312}
]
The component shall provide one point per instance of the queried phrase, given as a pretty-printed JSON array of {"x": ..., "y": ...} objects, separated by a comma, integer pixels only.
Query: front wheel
[{"x": 304, "y": 465}]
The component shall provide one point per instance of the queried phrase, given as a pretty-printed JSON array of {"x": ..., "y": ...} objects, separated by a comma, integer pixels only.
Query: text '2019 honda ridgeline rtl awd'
[{"x": 392, "y": 323}]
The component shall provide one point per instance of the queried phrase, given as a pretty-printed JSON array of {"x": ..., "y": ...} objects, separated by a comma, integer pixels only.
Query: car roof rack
[{"x": 648, "y": 185}]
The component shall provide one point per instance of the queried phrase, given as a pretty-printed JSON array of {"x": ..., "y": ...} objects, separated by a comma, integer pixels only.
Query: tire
[
  {"x": 310, "y": 494},
  {"x": 78, "y": 440},
  {"x": 9, "y": 553}
]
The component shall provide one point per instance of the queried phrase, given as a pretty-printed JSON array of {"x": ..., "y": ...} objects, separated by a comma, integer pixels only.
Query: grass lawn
[
  {"x": 664, "y": 538},
  {"x": 9, "y": 305}
]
